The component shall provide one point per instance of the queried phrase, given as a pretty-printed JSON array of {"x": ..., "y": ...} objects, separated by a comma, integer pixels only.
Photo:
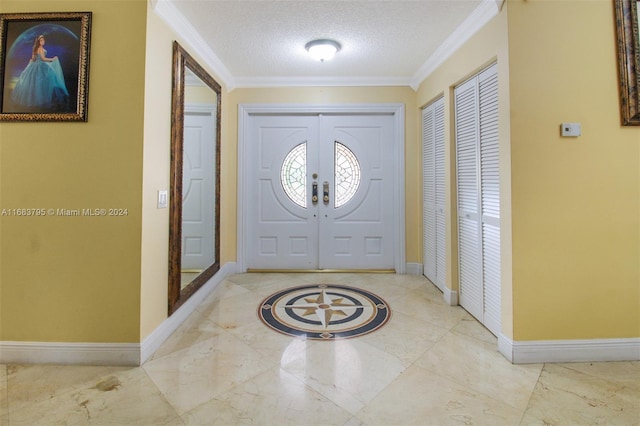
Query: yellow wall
[
  {"x": 488, "y": 45},
  {"x": 337, "y": 95},
  {"x": 576, "y": 201},
  {"x": 199, "y": 95},
  {"x": 77, "y": 279}
]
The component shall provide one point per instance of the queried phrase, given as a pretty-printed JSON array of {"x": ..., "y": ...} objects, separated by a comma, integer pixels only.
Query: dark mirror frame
[
  {"x": 182, "y": 61},
  {"x": 626, "y": 12}
]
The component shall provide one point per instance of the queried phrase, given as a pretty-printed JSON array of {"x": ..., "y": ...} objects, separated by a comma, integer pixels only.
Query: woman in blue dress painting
[{"x": 41, "y": 83}]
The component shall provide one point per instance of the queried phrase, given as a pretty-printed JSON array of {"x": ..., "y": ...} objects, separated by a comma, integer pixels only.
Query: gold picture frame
[
  {"x": 44, "y": 66},
  {"x": 626, "y": 14}
]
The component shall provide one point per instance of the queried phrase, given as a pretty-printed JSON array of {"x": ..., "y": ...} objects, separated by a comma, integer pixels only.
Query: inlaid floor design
[
  {"x": 430, "y": 364},
  {"x": 324, "y": 311}
]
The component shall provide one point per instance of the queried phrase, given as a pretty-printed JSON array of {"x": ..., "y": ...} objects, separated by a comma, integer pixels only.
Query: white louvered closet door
[
  {"x": 467, "y": 138},
  {"x": 433, "y": 193},
  {"x": 476, "y": 118},
  {"x": 490, "y": 196},
  {"x": 441, "y": 241}
]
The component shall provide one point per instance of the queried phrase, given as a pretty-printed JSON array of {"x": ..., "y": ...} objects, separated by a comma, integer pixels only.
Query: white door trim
[{"x": 245, "y": 110}]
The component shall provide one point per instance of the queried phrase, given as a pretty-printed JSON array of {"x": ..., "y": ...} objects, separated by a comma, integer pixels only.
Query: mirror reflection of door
[
  {"x": 198, "y": 187},
  {"x": 198, "y": 179}
]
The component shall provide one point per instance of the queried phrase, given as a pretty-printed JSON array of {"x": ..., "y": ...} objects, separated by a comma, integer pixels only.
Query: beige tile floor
[{"x": 430, "y": 365}]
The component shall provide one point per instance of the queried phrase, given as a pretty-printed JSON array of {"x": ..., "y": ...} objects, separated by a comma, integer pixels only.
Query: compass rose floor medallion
[{"x": 324, "y": 312}]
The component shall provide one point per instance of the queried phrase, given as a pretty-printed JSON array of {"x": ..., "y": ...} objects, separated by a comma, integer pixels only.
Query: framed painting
[
  {"x": 44, "y": 66},
  {"x": 626, "y": 12}
]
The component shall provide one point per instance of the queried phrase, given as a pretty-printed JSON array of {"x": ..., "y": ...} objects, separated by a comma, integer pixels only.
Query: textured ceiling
[{"x": 381, "y": 40}]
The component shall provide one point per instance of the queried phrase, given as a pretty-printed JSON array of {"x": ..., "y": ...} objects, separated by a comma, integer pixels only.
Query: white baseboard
[
  {"x": 549, "y": 351},
  {"x": 505, "y": 347},
  {"x": 158, "y": 336},
  {"x": 129, "y": 354},
  {"x": 413, "y": 268},
  {"x": 450, "y": 296},
  {"x": 69, "y": 353}
]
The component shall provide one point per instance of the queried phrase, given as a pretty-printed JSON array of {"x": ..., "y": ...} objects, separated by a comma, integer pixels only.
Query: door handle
[
  {"x": 325, "y": 191},
  {"x": 314, "y": 192}
]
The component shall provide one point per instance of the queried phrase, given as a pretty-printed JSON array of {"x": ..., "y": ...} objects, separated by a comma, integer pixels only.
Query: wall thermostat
[{"x": 571, "y": 129}]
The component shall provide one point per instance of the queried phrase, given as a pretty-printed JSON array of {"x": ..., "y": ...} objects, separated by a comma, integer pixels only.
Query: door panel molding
[{"x": 245, "y": 111}]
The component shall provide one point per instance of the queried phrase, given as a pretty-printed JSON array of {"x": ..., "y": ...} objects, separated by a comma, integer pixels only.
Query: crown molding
[
  {"x": 167, "y": 10},
  {"x": 482, "y": 14},
  {"x": 246, "y": 82}
]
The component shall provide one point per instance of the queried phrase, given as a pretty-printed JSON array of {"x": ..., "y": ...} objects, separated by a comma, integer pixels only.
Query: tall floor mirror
[{"x": 194, "y": 216}]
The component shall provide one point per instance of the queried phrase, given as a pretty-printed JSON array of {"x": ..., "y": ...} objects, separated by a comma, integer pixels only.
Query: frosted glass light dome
[{"x": 323, "y": 50}]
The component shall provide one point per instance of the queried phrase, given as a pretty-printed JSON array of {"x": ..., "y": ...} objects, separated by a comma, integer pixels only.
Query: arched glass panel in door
[
  {"x": 347, "y": 174},
  {"x": 294, "y": 175}
]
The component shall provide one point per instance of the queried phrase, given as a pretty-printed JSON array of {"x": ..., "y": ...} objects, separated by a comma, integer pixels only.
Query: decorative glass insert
[
  {"x": 294, "y": 174},
  {"x": 347, "y": 174}
]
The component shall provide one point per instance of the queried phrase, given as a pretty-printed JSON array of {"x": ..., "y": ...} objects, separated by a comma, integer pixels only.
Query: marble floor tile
[
  {"x": 405, "y": 338},
  {"x": 422, "y": 397},
  {"x": 283, "y": 282},
  {"x": 479, "y": 366},
  {"x": 409, "y": 281},
  {"x": 568, "y": 396},
  {"x": 196, "y": 328},
  {"x": 257, "y": 281},
  {"x": 197, "y": 374},
  {"x": 387, "y": 286},
  {"x": 330, "y": 278},
  {"x": 225, "y": 289},
  {"x": 348, "y": 372},
  {"x": 469, "y": 326},
  {"x": 354, "y": 421},
  {"x": 29, "y": 384},
  {"x": 276, "y": 348},
  {"x": 424, "y": 306},
  {"x": 626, "y": 372},
  {"x": 4, "y": 397},
  {"x": 233, "y": 311},
  {"x": 274, "y": 397},
  {"x": 124, "y": 397}
]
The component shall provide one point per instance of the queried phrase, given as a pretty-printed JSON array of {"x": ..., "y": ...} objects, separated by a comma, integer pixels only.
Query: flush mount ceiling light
[{"x": 323, "y": 50}]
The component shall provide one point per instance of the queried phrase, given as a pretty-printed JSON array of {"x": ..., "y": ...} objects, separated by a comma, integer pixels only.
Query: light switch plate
[
  {"x": 571, "y": 129},
  {"x": 162, "y": 199}
]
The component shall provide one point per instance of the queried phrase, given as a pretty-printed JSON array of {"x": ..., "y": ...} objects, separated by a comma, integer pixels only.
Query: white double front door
[{"x": 320, "y": 191}]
